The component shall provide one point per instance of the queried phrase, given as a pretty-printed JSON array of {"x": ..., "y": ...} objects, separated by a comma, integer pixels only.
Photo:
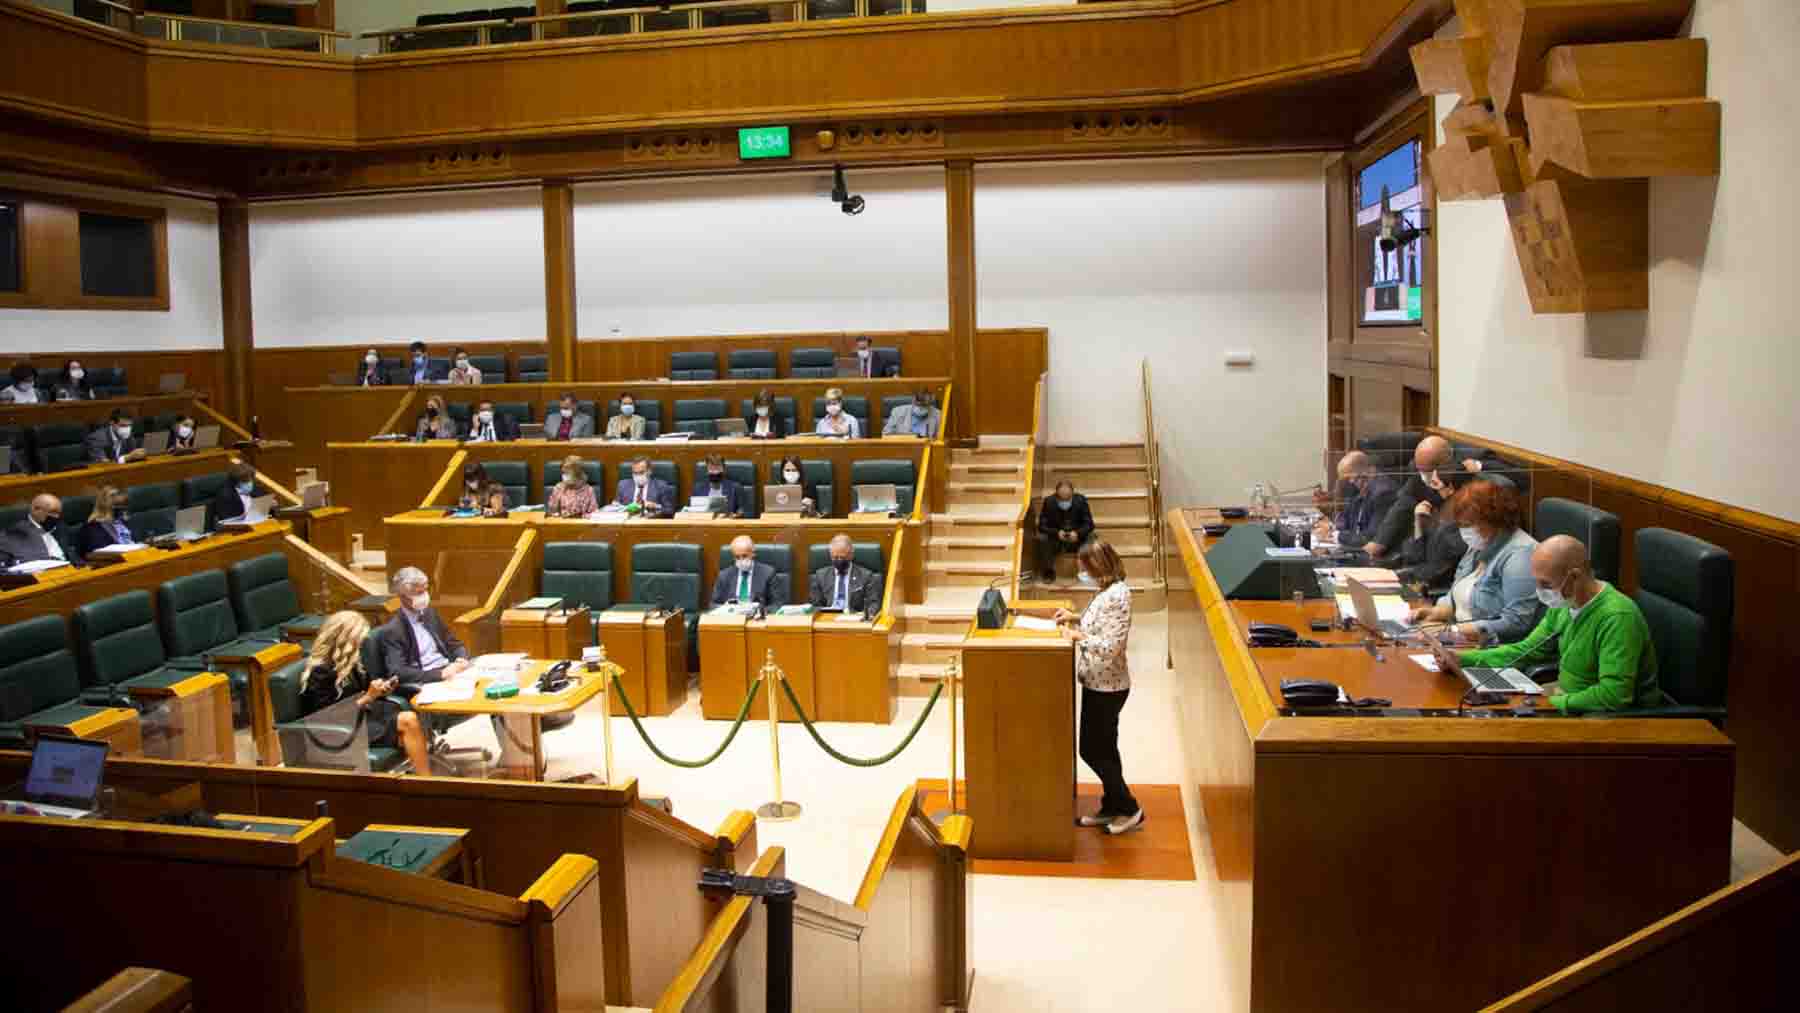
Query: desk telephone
[
  {"x": 555, "y": 678},
  {"x": 1272, "y": 635}
]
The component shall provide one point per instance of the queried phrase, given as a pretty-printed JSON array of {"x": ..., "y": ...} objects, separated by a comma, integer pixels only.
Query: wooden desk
[
  {"x": 652, "y": 648},
  {"x": 853, "y": 666},
  {"x": 546, "y": 633},
  {"x": 116, "y": 725},
  {"x": 1019, "y": 733},
  {"x": 375, "y": 480},
  {"x": 199, "y": 718},
  {"x": 327, "y": 528},
  {"x": 446, "y": 849},
  {"x": 85, "y": 481},
  {"x": 725, "y": 668},
  {"x": 522, "y": 716},
  {"x": 140, "y": 406},
  {"x": 1339, "y": 842},
  {"x": 68, "y": 588},
  {"x": 790, "y": 640}
]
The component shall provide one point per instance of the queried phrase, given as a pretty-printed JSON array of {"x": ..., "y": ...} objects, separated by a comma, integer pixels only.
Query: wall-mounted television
[{"x": 1392, "y": 281}]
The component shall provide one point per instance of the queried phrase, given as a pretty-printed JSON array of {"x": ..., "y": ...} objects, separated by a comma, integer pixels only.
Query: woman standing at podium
[{"x": 1102, "y": 634}]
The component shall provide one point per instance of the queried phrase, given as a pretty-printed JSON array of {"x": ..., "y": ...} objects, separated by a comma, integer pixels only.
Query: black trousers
[
  {"x": 1099, "y": 747},
  {"x": 1047, "y": 548}
]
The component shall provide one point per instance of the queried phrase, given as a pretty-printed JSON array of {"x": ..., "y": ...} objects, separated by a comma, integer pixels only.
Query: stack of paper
[
  {"x": 38, "y": 566},
  {"x": 493, "y": 666},
  {"x": 118, "y": 549},
  {"x": 1034, "y": 623},
  {"x": 1387, "y": 606},
  {"x": 444, "y": 692}
]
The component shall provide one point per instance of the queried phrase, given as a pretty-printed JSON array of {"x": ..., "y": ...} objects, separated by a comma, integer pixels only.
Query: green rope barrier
[
  {"x": 852, "y": 760},
  {"x": 736, "y": 724}
]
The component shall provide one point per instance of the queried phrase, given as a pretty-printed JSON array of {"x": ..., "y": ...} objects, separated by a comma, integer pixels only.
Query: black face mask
[
  {"x": 842, "y": 565},
  {"x": 716, "y": 476},
  {"x": 51, "y": 521},
  {"x": 431, "y": 413},
  {"x": 120, "y": 513}
]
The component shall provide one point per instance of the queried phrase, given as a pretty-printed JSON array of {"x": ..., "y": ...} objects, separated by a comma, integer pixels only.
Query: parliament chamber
[{"x": 891, "y": 505}]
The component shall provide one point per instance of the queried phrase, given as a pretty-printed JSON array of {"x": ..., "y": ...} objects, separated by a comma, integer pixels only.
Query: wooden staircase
[{"x": 1115, "y": 478}]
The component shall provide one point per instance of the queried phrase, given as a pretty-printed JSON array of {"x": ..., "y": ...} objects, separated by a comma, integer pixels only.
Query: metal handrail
[
  {"x": 634, "y": 16},
  {"x": 1153, "y": 451},
  {"x": 174, "y": 29}
]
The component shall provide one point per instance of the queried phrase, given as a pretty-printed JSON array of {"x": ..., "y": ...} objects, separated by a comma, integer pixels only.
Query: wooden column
[
  {"x": 559, "y": 279},
  {"x": 959, "y": 218},
  {"x": 237, "y": 399}
]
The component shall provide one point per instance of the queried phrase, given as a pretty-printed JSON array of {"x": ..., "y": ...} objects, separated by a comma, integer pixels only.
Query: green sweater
[{"x": 1606, "y": 658}]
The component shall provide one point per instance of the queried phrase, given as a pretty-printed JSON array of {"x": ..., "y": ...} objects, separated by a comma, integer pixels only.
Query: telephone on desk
[
  {"x": 1272, "y": 635},
  {"x": 555, "y": 679}
]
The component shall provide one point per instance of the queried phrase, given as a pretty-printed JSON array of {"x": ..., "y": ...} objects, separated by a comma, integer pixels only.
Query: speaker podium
[{"x": 1019, "y": 735}]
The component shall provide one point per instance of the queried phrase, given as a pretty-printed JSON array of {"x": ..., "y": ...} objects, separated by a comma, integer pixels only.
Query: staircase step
[
  {"x": 929, "y": 648},
  {"x": 1089, "y": 479},
  {"x": 975, "y": 516},
  {"x": 988, "y": 469},
  {"x": 1010, "y": 441},
  {"x": 965, "y": 573},
  {"x": 1101, "y": 453}
]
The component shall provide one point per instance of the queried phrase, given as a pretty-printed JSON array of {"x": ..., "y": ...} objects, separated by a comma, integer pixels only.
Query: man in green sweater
[{"x": 1595, "y": 634}]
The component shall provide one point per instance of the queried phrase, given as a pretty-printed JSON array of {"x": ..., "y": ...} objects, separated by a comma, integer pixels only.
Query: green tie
[{"x": 743, "y": 585}]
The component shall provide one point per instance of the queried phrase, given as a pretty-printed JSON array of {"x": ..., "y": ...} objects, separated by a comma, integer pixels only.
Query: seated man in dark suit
[
  {"x": 113, "y": 443},
  {"x": 653, "y": 495},
  {"x": 1064, "y": 523},
  {"x": 39, "y": 536},
  {"x": 717, "y": 484},
  {"x": 569, "y": 422},
  {"x": 1435, "y": 477},
  {"x": 417, "y": 644},
  {"x": 1364, "y": 499},
  {"x": 233, "y": 500},
  {"x": 844, "y": 586},
  {"x": 486, "y": 426},
  {"x": 747, "y": 580}
]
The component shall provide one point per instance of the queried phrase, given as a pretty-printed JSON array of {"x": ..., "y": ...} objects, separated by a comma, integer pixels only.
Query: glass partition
[{"x": 176, "y": 28}]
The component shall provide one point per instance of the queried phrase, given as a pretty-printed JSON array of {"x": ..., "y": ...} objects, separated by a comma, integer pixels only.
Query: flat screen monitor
[{"x": 1392, "y": 281}]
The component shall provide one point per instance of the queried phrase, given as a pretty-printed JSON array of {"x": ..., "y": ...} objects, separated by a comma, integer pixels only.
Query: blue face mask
[
  {"x": 1065, "y": 503},
  {"x": 246, "y": 487},
  {"x": 920, "y": 411},
  {"x": 1086, "y": 578}
]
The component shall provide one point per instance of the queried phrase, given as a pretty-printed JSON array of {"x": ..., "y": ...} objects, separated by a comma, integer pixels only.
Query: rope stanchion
[
  {"x": 779, "y": 810},
  {"x": 736, "y": 723},
  {"x": 609, "y": 672},
  {"x": 856, "y": 761},
  {"x": 952, "y": 675}
]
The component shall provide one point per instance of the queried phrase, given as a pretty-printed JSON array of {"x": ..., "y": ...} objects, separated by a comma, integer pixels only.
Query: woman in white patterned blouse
[{"x": 1101, "y": 634}]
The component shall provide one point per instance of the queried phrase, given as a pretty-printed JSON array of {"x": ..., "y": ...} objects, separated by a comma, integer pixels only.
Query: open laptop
[
  {"x": 1369, "y": 614},
  {"x": 206, "y": 437},
  {"x": 782, "y": 499},
  {"x": 190, "y": 523},
  {"x": 171, "y": 383},
  {"x": 706, "y": 504},
  {"x": 316, "y": 495},
  {"x": 1491, "y": 680},
  {"x": 156, "y": 443},
  {"x": 531, "y": 430},
  {"x": 65, "y": 776},
  {"x": 878, "y": 498},
  {"x": 260, "y": 507},
  {"x": 732, "y": 426},
  {"x": 847, "y": 366}
]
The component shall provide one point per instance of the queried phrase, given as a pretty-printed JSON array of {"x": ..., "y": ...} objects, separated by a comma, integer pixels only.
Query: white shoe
[
  {"x": 1097, "y": 818},
  {"x": 1123, "y": 824}
]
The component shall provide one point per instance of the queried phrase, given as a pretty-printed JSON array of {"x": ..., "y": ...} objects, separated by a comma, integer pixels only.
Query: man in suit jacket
[
  {"x": 1064, "y": 522},
  {"x": 656, "y": 496},
  {"x": 569, "y": 422},
  {"x": 917, "y": 419},
  {"x": 370, "y": 372},
  {"x": 114, "y": 443},
  {"x": 747, "y": 580},
  {"x": 489, "y": 426},
  {"x": 416, "y": 645},
  {"x": 628, "y": 424},
  {"x": 233, "y": 500},
  {"x": 715, "y": 483},
  {"x": 870, "y": 363},
  {"x": 39, "y": 536},
  {"x": 844, "y": 585},
  {"x": 1436, "y": 476},
  {"x": 1364, "y": 499}
]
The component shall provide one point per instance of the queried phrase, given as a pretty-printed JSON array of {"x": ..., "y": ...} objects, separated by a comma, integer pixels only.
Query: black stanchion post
[{"x": 780, "y": 903}]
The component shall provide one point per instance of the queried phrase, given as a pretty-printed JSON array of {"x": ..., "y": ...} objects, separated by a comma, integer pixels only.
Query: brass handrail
[
  {"x": 175, "y": 30},
  {"x": 1153, "y": 452},
  {"x": 633, "y": 16}
]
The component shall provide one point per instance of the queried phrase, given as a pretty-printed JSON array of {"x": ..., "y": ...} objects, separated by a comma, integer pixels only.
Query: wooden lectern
[
  {"x": 546, "y": 634},
  {"x": 725, "y": 669},
  {"x": 652, "y": 649},
  {"x": 791, "y": 638},
  {"x": 1019, "y": 733}
]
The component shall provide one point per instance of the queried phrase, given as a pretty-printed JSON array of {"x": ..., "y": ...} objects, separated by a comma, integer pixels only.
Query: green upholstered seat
[
  {"x": 459, "y": 414},
  {"x": 203, "y": 490},
  {"x": 518, "y": 411},
  {"x": 515, "y": 476},
  {"x": 1592, "y": 527},
  {"x": 595, "y": 475},
  {"x": 195, "y": 615},
  {"x": 741, "y": 472},
  {"x": 664, "y": 470},
  {"x": 667, "y": 574},
  {"x": 816, "y": 363},
  {"x": 699, "y": 415},
  {"x": 782, "y": 408},
  {"x": 650, "y": 410},
  {"x": 161, "y": 423},
  {"x": 9, "y": 516},
  {"x": 75, "y": 512},
  {"x": 264, "y": 599},
  {"x": 903, "y": 474},
  {"x": 60, "y": 445},
  {"x": 580, "y": 573},
  {"x": 531, "y": 369},
  {"x": 493, "y": 367},
  {"x": 117, "y": 644},
  {"x": 887, "y": 360},
  {"x": 1686, "y": 590},
  {"x": 750, "y": 364},
  {"x": 39, "y": 682},
  {"x": 693, "y": 366},
  {"x": 313, "y": 742},
  {"x": 781, "y": 557},
  {"x": 108, "y": 381},
  {"x": 153, "y": 509},
  {"x": 855, "y": 404},
  {"x": 864, "y": 554}
]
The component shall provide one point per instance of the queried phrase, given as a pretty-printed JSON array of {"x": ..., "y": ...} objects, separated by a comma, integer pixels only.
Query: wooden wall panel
[
  {"x": 201, "y": 93},
  {"x": 67, "y": 69},
  {"x": 1011, "y": 360}
]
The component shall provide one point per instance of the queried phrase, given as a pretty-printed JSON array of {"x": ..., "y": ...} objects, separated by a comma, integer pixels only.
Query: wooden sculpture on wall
[{"x": 1568, "y": 108}]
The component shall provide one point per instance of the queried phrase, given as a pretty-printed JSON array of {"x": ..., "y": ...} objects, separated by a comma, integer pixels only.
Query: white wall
[
  {"x": 1697, "y": 394},
  {"x": 741, "y": 255},
  {"x": 193, "y": 319},
  {"x": 434, "y": 267},
  {"x": 1174, "y": 261}
]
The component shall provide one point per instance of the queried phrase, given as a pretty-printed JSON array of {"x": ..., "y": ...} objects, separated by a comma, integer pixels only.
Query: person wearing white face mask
[
  {"x": 747, "y": 581},
  {"x": 1493, "y": 598},
  {"x": 114, "y": 443},
  {"x": 628, "y": 424},
  {"x": 181, "y": 436},
  {"x": 1595, "y": 633},
  {"x": 1064, "y": 523},
  {"x": 462, "y": 372},
  {"x": 763, "y": 423},
  {"x": 72, "y": 384},
  {"x": 371, "y": 373},
  {"x": 652, "y": 496},
  {"x": 789, "y": 472},
  {"x": 1102, "y": 636},
  {"x": 488, "y": 426},
  {"x": 569, "y": 422},
  {"x": 836, "y": 421},
  {"x": 23, "y": 389},
  {"x": 416, "y": 644},
  {"x": 573, "y": 496}
]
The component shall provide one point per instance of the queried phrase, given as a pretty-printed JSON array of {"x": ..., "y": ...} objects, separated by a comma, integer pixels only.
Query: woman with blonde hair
[
  {"x": 836, "y": 421},
  {"x": 436, "y": 423},
  {"x": 1102, "y": 633},
  {"x": 106, "y": 524},
  {"x": 573, "y": 496},
  {"x": 334, "y": 673}
]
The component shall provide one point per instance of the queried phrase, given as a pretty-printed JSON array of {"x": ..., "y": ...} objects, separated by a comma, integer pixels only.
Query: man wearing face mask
[
  {"x": 488, "y": 426},
  {"x": 39, "y": 536},
  {"x": 917, "y": 419},
  {"x": 652, "y": 496},
  {"x": 845, "y": 586},
  {"x": 234, "y": 499},
  {"x": 569, "y": 422},
  {"x": 1064, "y": 522},
  {"x": 871, "y": 364},
  {"x": 419, "y": 368},
  {"x": 23, "y": 389},
  {"x": 114, "y": 443},
  {"x": 181, "y": 438},
  {"x": 416, "y": 644},
  {"x": 1594, "y": 632},
  {"x": 1364, "y": 498},
  {"x": 1435, "y": 477},
  {"x": 747, "y": 580},
  {"x": 716, "y": 483},
  {"x": 371, "y": 373},
  {"x": 628, "y": 424}
]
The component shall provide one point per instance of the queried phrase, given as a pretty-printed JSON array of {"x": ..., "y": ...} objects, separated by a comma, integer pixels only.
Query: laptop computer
[
  {"x": 1490, "y": 680},
  {"x": 171, "y": 383},
  {"x": 847, "y": 366},
  {"x": 531, "y": 430},
  {"x": 65, "y": 776},
  {"x": 732, "y": 427},
  {"x": 190, "y": 523},
  {"x": 705, "y": 504},
  {"x": 260, "y": 506},
  {"x": 206, "y": 437},
  {"x": 877, "y": 498},
  {"x": 1369, "y": 614},
  {"x": 156, "y": 443},
  {"x": 316, "y": 495},
  {"x": 782, "y": 499}
]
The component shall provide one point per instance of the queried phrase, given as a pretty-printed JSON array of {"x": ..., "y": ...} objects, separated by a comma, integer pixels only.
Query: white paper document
[
  {"x": 1387, "y": 606},
  {"x": 1425, "y": 661},
  {"x": 38, "y": 566},
  {"x": 118, "y": 548},
  {"x": 444, "y": 692},
  {"x": 1034, "y": 623}
]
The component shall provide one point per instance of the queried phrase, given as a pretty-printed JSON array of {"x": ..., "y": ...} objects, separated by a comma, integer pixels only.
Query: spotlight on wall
[{"x": 849, "y": 203}]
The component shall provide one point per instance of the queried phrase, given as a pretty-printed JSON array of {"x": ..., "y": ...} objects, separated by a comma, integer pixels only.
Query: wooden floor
[{"x": 1157, "y": 850}]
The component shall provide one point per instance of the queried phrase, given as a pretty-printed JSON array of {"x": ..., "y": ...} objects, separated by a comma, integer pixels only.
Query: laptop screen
[{"x": 66, "y": 771}]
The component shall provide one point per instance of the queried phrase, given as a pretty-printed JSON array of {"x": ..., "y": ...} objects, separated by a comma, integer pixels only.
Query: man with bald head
[
  {"x": 39, "y": 536},
  {"x": 1435, "y": 477},
  {"x": 747, "y": 581},
  {"x": 844, "y": 586},
  {"x": 1594, "y": 632},
  {"x": 1364, "y": 498}
]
